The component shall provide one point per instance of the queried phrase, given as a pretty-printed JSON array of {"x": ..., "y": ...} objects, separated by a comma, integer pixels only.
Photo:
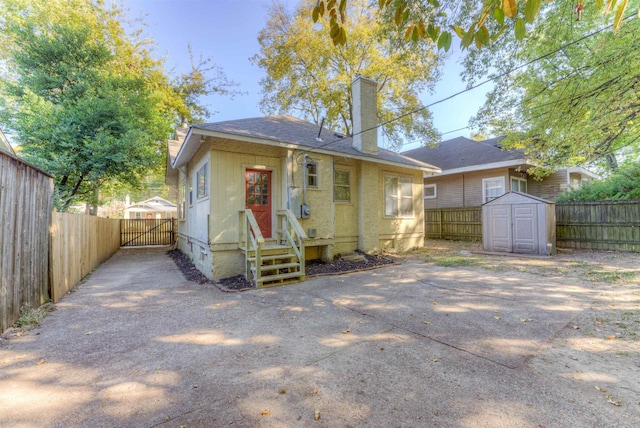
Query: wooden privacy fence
[
  {"x": 25, "y": 207},
  {"x": 79, "y": 243},
  {"x": 611, "y": 225},
  {"x": 143, "y": 232},
  {"x": 458, "y": 224},
  {"x": 608, "y": 225}
]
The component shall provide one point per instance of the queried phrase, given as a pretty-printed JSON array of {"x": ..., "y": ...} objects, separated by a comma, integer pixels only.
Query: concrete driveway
[{"x": 412, "y": 345}]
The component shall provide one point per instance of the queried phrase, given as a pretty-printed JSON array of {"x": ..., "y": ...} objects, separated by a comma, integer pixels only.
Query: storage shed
[{"x": 519, "y": 223}]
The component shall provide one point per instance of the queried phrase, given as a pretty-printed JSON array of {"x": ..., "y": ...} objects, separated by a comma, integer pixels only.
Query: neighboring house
[
  {"x": 275, "y": 182},
  {"x": 5, "y": 146},
  {"x": 475, "y": 172},
  {"x": 155, "y": 207}
]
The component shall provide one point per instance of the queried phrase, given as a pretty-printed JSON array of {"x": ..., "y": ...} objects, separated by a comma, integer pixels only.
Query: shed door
[
  {"x": 501, "y": 238},
  {"x": 525, "y": 228},
  {"x": 258, "y": 193}
]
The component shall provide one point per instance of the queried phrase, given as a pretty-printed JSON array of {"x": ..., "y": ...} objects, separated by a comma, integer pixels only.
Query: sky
[{"x": 227, "y": 31}]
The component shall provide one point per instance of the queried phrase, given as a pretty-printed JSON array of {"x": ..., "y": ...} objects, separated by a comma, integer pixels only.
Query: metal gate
[{"x": 146, "y": 232}]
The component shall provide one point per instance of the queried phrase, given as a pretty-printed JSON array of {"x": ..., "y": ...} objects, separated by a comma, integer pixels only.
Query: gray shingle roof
[
  {"x": 463, "y": 152},
  {"x": 290, "y": 130}
]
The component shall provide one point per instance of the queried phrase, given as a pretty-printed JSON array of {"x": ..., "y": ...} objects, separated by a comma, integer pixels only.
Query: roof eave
[
  {"x": 486, "y": 166},
  {"x": 193, "y": 147}
]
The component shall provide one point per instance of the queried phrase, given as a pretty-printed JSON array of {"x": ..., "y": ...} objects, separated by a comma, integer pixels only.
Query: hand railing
[
  {"x": 250, "y": 239},
  {"x": 289, "y": 230}
]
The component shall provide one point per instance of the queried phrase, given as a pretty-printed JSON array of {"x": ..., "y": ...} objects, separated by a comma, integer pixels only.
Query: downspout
[{"x": 304, "y": 179}]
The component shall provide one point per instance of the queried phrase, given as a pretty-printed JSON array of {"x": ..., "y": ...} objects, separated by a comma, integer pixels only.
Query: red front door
[{"x": 258, "y": 193}]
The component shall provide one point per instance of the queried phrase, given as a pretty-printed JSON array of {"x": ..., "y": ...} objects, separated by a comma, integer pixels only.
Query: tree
[
  {"x": 485, "y": 21},
  {"x": 623, "y": 184},
  {"x": 88, "y": 102},
  {"x": 576, "y": 106},
  {"x": 307, "y": 76}
]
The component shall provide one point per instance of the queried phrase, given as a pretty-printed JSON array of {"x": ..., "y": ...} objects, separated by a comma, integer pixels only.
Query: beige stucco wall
[{"x": 401, "y": 234}]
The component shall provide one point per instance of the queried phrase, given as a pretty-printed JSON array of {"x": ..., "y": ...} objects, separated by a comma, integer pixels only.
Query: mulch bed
[
  {"x": 313, "y": 267},
  {"x": 340, "y": 265}
]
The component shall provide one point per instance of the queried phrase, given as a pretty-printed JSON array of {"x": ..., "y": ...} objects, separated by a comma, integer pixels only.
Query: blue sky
[{"x": 227, "y": 31}]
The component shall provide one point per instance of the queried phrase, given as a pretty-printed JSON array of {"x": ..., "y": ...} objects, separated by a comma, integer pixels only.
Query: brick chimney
[{"x": 365, "y": 107}]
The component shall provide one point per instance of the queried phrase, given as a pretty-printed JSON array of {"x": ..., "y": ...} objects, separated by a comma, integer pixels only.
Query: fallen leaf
[
  {"x": 249, "y": 372},
  {"x": 611, "y": 337},
  {"x": 435, "y": 360},
  {"x": 435, "y": 303},
  {"x": 346, "y": 331},
  {"x": 283, "y": 391},
  {"x": 41, "y": 362},
  {"x": 497, "y": 317},
  {"x": 195, "y": 386},
  {"x": 526, "y": 320},
  {"x": 615, "y": 403},
  {"x": 317, "y": 415},
  {"x": 427, "y": 322},
  {"x": 265, "y": 412},
  {"x": 315, "y": 390},
  {"x": 87, "y": 333},
  {"x": 600, "y": 389}
]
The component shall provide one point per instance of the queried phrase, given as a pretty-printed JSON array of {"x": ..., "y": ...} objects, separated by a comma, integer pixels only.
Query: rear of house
[{"x": 281, "y": 179}]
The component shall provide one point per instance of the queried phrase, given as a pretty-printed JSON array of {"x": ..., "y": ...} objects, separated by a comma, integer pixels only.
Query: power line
[{"x": 506, "y": 73}]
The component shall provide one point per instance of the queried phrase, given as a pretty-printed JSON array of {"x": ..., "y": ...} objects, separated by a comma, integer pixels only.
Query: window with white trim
[
  {"x": 492, "y": 188},
  {"x": 518, "y": 185},
  {"x": 202, "y": 181},
  {"x": 398, "y": 196},
  {"x": 182, "y": 201},
  {"x": 430, "y": 191},
  {"x": 312, "y": 174},
  {"x": 341, "y": 185}
]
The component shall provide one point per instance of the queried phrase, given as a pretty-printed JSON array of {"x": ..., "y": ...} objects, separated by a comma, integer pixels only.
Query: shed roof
[
  {"x": 514, "y": 197},
  {"x": 288, "y": 131}
]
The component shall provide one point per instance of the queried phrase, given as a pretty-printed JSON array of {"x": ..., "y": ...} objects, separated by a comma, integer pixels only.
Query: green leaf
[
  {"x": 431, "y": 32},
  {"x": 468, "y": 37},
  {"x": 416, "y": 35},
  {"x": 510, "y": 8},
  {"x": 315, "y": 14},
  {"x": 520, "y": 29},
  {"x": 617, "y": 21},
  {"x": 531, "y": 10},
  {"x": 444, "y": 41},
  {"x": 459, "y": 31},
  {"x": 483, "y": 35},
  {"x": 499, "y": 15},
  {"x": 434, "y": 3},
  {"x": 408, "y": 32},
  {"x": 398, "y": 17}
]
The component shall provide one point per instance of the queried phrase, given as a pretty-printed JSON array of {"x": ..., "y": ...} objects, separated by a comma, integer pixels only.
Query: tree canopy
[
  {"x": 309, "y": 77},
  {"x": 474, "y": 22},
  {"x": 578, "y": 99},
  {"x": 88, "y": 102}
]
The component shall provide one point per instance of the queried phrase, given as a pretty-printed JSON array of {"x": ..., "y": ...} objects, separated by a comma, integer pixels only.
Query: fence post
[{"x": 440, "y": 223}]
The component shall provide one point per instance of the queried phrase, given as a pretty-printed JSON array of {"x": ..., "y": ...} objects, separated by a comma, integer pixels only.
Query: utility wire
[{"x": 506, "y": 73}]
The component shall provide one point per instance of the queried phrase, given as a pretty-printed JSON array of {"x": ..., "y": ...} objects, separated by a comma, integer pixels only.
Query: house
[
  {"x": 153, "y": 208},
  {"x": 5, "y": 146},
  {"x": 259, "y": 196},
  {"x": 475, "y": 172}
]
